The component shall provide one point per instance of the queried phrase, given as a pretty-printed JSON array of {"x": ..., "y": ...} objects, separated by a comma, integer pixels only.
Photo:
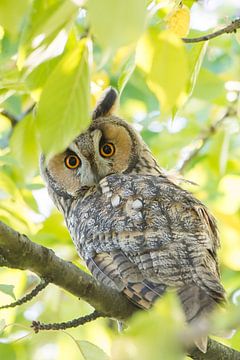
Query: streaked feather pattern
[
  {"x": 137, "y": 230},
  {"x": 156, "y": 236}
]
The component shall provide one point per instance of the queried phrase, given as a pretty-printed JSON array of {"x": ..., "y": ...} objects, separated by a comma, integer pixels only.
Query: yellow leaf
[
  {"x": 168, "y": 74},
  {"x": 178, "y": 21},
  {"x": 144, "y": 53}
]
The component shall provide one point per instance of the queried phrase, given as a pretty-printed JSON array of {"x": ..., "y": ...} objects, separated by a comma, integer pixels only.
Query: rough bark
[{"x": 19, "y": 252}]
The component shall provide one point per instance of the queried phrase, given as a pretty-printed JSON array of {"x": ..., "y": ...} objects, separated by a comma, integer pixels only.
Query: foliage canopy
[{"x": 185, "y": 100}]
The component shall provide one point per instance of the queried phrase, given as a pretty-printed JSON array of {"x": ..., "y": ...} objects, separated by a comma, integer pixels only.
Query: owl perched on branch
[{"x": 137, "y": 231}]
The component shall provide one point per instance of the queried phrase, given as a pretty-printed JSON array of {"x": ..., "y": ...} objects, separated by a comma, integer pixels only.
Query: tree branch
[
  {"x": 39, "y": 287},
  {"x": 37, "y": 325},
  {"x": 215, "y": 350},
  {"x": 235, "y": 24},
  {"x": 15, "y": 119},
  {"x": 17, "y": 251},
  {"x": 191, "y": 151}
]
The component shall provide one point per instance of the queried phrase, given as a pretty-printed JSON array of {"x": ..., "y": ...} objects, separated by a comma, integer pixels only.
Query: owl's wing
[
  {"x": 149, "y": 235},
  {"x": 115, "y": 270}
]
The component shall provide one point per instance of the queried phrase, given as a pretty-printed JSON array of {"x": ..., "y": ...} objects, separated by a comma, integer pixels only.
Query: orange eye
[
  {"x": 72, "y": 161},
  {"x": 107, "y": 150}
]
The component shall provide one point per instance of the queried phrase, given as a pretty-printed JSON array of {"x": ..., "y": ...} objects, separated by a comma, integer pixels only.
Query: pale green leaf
[
  {"x": 90, "y": 351},
  {"x": 8, "y": 186},
  {"x": 24, "y": 145},
  {"x": 139, "y": 340},
  {"x": 8, "y": 290},
  {"x": 12, "y": 15},
  {"x": 224, "y": 154},
  {"x": 209, "y": 86},
  {"x": 45, "y": 21},
  {"x": 195, "y": 58},
  {"x": 64, "y": 104},
  {"x": 2, "y": 325},
  {"x": 38, "y": 77},
  {"x": 117, "y": 23},
  {"x": 169, "y": 70},
  {"x": 126, "y": 73}
]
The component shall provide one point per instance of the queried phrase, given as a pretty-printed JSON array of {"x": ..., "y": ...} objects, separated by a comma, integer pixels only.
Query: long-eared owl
[{"x": 136, "y": 229}]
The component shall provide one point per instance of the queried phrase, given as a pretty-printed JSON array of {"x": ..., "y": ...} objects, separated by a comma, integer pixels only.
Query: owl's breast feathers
[{"x": 143, "y": 234}]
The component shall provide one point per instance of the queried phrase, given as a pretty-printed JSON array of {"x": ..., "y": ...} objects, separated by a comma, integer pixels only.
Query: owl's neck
[{"x": 147, "y": 164}]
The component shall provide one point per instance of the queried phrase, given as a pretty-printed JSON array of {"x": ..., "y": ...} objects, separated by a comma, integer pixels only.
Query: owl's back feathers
[{"x": 143, "y": 235}]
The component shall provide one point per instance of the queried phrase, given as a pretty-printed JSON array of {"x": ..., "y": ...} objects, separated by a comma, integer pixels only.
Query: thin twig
[
  {"x": 190, "y": 152},
  {"x": 42, "y": 285},
  {"x": 21, "y": 253},
  {"x": 15, "y": 119},
  {"x": 37, "y": 325},
  {"x": 235, "y": 24}
]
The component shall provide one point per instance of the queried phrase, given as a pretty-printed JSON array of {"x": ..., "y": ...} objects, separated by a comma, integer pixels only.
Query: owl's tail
[{"x": 197, "y": 303}]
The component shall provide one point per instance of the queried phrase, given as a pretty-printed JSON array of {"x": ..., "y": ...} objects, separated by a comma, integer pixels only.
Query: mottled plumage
[{"x": 135, "y": 228}]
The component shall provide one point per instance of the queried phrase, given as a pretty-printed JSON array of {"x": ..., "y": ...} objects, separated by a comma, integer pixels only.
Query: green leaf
[
  {"x": 8, "y": 186},
  {"x": 139, "y": 340},
  {"x": 2, "y": 325},
  {"x": 12, "y": 15},
  {"x": 38, "y": 77},
  {"x": 64, "y": 104},
  {"x": 126, "y": 73},
  {"x": 24, "y": 145},
  {"x": 224, "y": 154},
  {"x": 8, "y": 290},
  {"x": 45, "y": 21},
  {"x": 209, "y": 87},
  {"x": 117, "y": 23},
  {"x": 195, "y": 57},
  {"x": 53, "y": 231},
  {"x": 90, "y": 351},
  {"x": 169, "y": 70},
  {"x": 189, "y": 3}
]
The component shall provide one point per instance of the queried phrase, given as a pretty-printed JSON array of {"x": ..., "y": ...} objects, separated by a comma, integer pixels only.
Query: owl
[{"x": 136, "y": 229}]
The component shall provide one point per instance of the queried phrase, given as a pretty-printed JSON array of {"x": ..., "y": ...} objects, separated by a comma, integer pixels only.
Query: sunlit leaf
[
  {"x": 195, "y": 58},
  {"x": 12, "y": 15},
  {"x": 144, "y": 53},
  {"x": 178, "y": 21},
  {"x": 16, "y": 215},
  {"x": 45, "y": 21},
  {"x": 90, "y": 351},
  {"x": 117, "y": 23},
  {"x": 8, "y": 186},
  {"x": 226, "y": 321},
  {"x": 126, "y": 73},
  {"x": 209, "y": 86},
  {"x": 64, "y": 104},
  {"x": 5, "y": 124},
  {"x": 169, "y": 71},
  {"x": 223, "y": 159},
  {"x": 139, "y": 340},
  {"x": 24, "y": 145},
  {"x": 189, "y": 3},
  {"x": 238, "y": 36},
  {"x": 38, "y": 77},
  {"x": 2, "y": 325},
  {"x": 53, "y": 230},
  {"x": 8, "y": 290}
]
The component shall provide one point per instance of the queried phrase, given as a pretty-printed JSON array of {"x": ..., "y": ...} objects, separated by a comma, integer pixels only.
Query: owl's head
[{"x": 110, "y": 145}]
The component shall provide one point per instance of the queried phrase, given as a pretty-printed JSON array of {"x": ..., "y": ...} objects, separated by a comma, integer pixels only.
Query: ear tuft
[{"x": 105, "y": 106}]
